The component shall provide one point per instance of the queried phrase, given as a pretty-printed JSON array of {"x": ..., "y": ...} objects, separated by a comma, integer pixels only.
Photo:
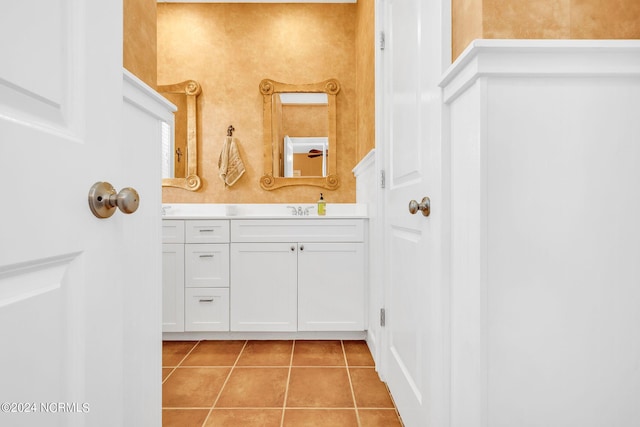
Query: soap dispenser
[{"x": 322, "y": 206}]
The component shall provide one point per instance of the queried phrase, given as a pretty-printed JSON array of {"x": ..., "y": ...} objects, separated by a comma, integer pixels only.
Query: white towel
[{"x": 230, "y": 163}]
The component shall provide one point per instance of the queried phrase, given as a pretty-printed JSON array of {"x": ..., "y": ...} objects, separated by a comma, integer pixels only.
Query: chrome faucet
[
  {"x": 300, "y": 212},
  {"x": 293, "y": 210}
]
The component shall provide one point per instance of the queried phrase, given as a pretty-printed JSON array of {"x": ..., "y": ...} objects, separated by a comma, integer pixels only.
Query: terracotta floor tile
[
  {"x": 369, "y": 391},
  {"x": 254, "y": 387},
  {"x": 214, "y": 353},
  {"x": 358, "y": 353},
  {"x": 266, "y": 353},
  {"x": 174, "y": 351},
  {"x": 318, "y": 353},
  {"x": 193, "y": 387},
  {"x": 183, "y": 417},
  {"x": 166, "y": 372},
  {"x": 244, "y": 418},
  {"x": 320, "y": 418},
  {"x": 379, "y": 418},
  {"x": 320, "y": 388}
]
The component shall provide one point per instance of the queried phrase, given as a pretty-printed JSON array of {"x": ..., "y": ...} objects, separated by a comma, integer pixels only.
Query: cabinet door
[
  {"x": 172, "y": 287},
  {"x": 263, "y": 286},
  {"x": 331, "y": 287},
  {"x": 206, "y": 309},
  {"x": 207, "y": 265}
]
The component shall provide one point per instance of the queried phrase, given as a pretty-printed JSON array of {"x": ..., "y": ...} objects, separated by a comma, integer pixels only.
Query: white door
[
  {"x": 68, "y": 280},
  {"x": 417, "y": 44}
]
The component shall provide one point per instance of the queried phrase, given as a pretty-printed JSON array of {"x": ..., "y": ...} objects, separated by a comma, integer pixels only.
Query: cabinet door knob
[
  {"x": 293, "y": 248},
  {"x": 302, "y": 247}
]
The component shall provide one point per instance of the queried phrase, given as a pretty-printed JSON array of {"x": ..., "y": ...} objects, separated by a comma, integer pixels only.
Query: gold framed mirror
[
  {"x": 299, "y": 131},
  {"x": 184, "y": 146}
]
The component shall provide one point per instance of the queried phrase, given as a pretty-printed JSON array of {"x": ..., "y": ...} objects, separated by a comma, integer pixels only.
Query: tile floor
[{"x": 273, "y": 383}]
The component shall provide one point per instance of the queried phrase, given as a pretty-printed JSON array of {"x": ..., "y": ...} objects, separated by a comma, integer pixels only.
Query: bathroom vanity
[{"x": 246, "y": 270}]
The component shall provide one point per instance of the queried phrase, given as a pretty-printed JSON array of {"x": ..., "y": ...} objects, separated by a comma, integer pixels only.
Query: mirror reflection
[
  {"x": 299, "y": 134},
  {"x": 179, "y": 149}
]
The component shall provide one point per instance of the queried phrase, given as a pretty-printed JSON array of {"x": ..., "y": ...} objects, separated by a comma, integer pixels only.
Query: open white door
[
  {"x": 416, "y": 52},
  {"x": 68, "y": 334}
]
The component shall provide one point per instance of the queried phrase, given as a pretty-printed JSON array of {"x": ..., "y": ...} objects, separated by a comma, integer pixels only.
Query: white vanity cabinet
[
  {"x": 173, "y": 276},
  {"x": 242, "y": 275},
  {"x": 297, "y": 275},
  {"x": 195, "y": 275}
]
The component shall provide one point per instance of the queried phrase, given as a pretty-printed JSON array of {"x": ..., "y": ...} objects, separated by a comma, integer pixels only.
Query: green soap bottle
[{"x": 322, "y": 206}]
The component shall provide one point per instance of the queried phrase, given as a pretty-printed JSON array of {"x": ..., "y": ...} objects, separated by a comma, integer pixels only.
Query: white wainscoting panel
[
  {"x": 545, "y": 155},
  {"x": 367, "y": 185}
]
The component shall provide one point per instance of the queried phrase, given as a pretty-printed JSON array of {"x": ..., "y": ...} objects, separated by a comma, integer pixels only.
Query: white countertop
[{"x": 261, "y": 211}]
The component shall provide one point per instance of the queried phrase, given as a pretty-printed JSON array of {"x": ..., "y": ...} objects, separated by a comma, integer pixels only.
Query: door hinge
[
  {"x": 383, "y": 179},
  {"x": 382, "y": 40},
  {"x": 383, "y": 319}
]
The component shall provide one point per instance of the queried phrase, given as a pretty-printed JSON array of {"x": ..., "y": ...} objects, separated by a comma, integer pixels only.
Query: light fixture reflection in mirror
[
  {"x": 182, "y": 147},
  {"x": 299, "y": 134}
]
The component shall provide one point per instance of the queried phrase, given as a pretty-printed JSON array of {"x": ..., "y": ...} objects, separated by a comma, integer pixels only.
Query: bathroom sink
[{"x": 272, "y": 210}]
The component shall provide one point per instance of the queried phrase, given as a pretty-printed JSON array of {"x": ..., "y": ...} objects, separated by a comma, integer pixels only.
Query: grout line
[
  {"x": 224, "y": 384},
  {"x": 181, "y": 360},
  {"x": 171, "y": 408},
  {"x": 353, "y": 394},
  {"x": 286, "y": 389}
]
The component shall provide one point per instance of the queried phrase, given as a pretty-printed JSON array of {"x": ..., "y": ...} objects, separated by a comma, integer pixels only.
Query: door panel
[
  {"x": 414, "y": 334},
  {"x": 63, "y": 272}
]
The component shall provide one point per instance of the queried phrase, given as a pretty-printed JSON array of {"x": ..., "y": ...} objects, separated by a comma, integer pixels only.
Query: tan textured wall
[
  {"x": 139, "y": 44},
  {"x": 365, "y": 79},
  {"x": 543, "y": 19},
  {"x": 229, "y": 49},
  {"x": 466, "y": 18}
]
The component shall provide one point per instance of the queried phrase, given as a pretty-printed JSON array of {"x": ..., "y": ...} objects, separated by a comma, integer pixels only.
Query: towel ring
[{"x": 230, "y": 130}]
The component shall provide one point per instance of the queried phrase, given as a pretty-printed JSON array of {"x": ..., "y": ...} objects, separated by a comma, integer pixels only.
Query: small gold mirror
[
  {"x": 181, "y": 149},
  {"x": 299, "y": 132}
]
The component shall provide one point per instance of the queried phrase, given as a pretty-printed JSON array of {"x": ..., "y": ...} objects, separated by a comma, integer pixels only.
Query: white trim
[
  {"x": 547, "y": 58},
  {"x": 138, "y": 93},
  {"x": 367, "y": 162},
  {"x": 180, "y": 336}
]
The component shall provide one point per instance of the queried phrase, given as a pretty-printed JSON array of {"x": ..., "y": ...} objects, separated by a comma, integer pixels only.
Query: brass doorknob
[
  {"x": 424, "y": 206},
  {"x": 103, "y": 200}
]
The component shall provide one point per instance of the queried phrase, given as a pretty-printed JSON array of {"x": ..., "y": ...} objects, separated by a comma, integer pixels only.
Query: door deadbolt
[{"x": 103, "y": 200}]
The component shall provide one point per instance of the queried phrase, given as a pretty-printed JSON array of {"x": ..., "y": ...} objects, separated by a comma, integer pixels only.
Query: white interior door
[
  {"x": 414, "y": 350},
  {"x": 65, "y": 274}
]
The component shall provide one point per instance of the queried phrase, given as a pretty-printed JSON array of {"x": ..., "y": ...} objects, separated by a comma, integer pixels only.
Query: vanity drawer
[
  {"x": 206, "y": 309},
  {"x": 207, "y": 231},
  {"x": 297, "y": 230},
  {"x": 206, "y": 265},
  {"x": 172, "y": 231}
]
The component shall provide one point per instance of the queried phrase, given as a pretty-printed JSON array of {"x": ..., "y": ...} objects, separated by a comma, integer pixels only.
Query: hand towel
[{"x": 230, "y": 163}]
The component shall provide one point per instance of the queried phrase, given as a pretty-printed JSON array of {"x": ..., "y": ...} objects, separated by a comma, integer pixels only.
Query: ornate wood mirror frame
[
  {"x": 271, "y": 179},
  {"x": 191, "y": 89}
]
